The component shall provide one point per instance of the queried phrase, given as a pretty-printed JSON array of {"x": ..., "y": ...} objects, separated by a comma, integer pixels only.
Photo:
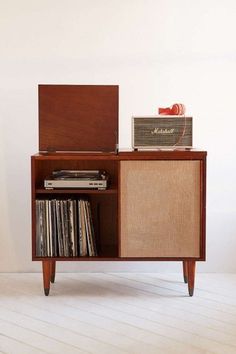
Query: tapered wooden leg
[
  {"x": 46, "y": 276},
  {"x": 53, "y": 271},
  {"x": 185, "y": 271},
  {"x": 191, "y": 277}
]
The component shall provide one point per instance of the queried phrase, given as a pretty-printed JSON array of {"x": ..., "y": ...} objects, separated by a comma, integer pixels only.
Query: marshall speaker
[{"x": 162, "y": 132}]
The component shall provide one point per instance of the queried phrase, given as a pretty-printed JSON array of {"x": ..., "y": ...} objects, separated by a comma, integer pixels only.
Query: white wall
[{"x": 159, "y": 52}]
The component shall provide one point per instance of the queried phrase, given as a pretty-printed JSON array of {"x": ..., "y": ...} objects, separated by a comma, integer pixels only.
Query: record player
[
  {"x": 84, "y": 179},
  {"x": 78, "y": 119}
]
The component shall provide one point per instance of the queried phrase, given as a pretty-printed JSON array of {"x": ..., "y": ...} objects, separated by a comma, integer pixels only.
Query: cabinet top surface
[{"x": 124, "y": 155}]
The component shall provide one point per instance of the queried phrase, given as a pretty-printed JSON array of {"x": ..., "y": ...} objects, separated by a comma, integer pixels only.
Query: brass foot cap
[
  {"x": 46, "y": 291},
  {"x": 190, "y": 292}
]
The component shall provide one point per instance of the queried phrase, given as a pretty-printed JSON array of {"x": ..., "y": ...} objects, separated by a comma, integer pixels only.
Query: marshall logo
[{"x": 162, "y": 131}]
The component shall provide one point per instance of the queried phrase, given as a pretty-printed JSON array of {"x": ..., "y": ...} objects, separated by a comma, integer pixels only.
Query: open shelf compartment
[{"x": 104, "y": 203}]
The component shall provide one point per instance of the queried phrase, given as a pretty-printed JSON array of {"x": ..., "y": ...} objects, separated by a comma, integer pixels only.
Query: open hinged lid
[{"x": 78, "y": 118}]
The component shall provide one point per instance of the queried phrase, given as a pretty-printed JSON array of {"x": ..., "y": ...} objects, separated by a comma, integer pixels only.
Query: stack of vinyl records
[{"x": 64, "y": 228}]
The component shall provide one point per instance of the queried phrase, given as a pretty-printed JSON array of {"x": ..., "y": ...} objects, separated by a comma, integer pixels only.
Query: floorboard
[{"x": 117, "y": 313}]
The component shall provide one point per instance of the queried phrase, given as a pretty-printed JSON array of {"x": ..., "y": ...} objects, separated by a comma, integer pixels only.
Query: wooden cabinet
[{"x": 154, "y": 208}]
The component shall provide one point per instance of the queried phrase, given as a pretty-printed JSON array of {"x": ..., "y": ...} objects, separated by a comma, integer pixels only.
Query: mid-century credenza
[{"x": 155, "y": 206}]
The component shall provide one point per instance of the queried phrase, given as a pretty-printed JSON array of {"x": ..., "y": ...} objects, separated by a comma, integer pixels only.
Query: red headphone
[{"x": 178, "y": 109}]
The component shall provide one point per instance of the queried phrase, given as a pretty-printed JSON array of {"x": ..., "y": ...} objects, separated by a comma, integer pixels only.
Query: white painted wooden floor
[{"x": 118, "y": 313}]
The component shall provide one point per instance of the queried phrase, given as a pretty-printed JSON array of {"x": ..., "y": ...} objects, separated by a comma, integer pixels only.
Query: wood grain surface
[{"x": 78, "y": 117}]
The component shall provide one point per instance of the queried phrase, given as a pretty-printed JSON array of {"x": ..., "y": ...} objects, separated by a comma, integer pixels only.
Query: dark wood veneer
[
  {"x": 78, "y": 129},
  {"x": 109, "y": 204},
  {"x": 78, "y": 117}
]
